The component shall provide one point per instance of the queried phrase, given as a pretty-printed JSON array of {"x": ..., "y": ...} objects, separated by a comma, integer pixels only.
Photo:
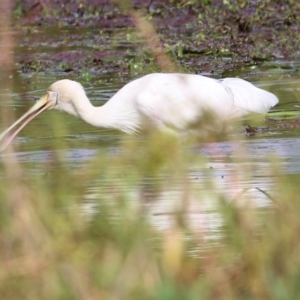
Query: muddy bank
[{"x": 199, "y": 36}]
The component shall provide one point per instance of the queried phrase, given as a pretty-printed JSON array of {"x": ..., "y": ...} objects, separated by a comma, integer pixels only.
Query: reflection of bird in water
[{"x": 162, "y": 101}]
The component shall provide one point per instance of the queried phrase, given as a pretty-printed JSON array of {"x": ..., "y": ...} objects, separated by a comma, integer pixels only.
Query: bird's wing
[
  {"x": 179, "y": 101},
  {"x": 247, "y": 97}
]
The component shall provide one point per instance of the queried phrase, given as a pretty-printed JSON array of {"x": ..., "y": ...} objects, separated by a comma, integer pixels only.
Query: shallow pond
[{"x": 230, "y": 166}]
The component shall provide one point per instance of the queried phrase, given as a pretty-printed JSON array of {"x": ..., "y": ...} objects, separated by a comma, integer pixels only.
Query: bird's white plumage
[
  {"x": 248, "y": 98},
  {"x": 177, "y": 101}
]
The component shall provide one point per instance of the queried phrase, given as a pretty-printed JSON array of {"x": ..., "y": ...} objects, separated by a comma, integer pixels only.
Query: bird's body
[
  {"x": 177, "y": 101},
  {"x": 162, "y": 101}
]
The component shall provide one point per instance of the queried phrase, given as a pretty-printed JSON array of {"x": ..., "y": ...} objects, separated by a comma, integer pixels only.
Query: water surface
[{"x": 232, "y": 168}]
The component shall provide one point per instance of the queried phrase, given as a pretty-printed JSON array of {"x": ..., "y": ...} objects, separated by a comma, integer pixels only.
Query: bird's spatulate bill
[{"x": 41, "y": 105}]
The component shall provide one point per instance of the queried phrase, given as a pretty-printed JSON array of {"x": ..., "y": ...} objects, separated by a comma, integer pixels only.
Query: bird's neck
[
  {"x": 99, "y": 116},
  {"x": 89, "y": 113},
  {"x": 109, "y": 115}
]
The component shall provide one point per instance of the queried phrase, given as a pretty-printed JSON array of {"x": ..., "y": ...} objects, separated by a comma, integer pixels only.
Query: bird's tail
[{"x": 248, "y": 97}]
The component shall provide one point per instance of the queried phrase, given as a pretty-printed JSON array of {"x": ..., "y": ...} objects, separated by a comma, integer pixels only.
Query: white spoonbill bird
[{"x": 163, "y": 101}]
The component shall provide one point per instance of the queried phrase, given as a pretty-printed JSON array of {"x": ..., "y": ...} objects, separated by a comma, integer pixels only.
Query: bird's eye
[{"x": 53, "y": 96}]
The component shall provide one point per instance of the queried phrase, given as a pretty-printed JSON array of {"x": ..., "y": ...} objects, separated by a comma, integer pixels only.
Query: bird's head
[
  {"x": 59, "y": 96},
  {"x": 67, "y": 92}
]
